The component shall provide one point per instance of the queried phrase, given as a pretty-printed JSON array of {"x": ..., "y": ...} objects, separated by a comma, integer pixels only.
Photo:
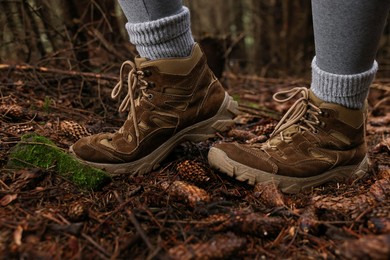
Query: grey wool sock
[
  {"x": 346, "y": 90},
  {"x": 163, "y": 38}
]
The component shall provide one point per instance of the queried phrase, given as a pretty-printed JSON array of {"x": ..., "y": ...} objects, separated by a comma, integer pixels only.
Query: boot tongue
[
  {"x": 138, "y": 61},
  {"x": 314, "y": 99}
]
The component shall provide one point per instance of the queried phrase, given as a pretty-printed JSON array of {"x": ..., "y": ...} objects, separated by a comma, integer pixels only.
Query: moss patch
[{"x": 37, "y": 151}]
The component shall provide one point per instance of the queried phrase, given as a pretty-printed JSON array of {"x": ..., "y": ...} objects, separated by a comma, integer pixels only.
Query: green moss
[{"x": 37, "y": 151}]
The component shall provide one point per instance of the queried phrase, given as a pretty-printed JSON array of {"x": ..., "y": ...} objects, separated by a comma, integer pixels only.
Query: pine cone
[
  {"x": 253, "y": 223},
  {"x": 181, "y": 190},
  {"x": 193, "y": 172},
  {"x": 20, "y": 129},
  {"x": 308, "y": 221},
  {"x": 73, "y": 130},
  {"x": 12, "y": 111},
  {"x": 382, "y": 210},
  {"x": 77, "y": 211},
  {"x": 379, "y": 225},
  {"x": 269, "y": 194},
  {"x": 220, "y": 247},
  {"x": 367, "y": 247},
  {"x": 354, "y": 206},
  {"x": 265, "y": 129},
  {"x": 213, "y": 220},
  {"x": 379, "y": 218},
  {"x": 244, "y": 222}
]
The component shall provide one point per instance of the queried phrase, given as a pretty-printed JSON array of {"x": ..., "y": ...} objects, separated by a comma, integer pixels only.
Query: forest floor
[{"x": 184, "y": 209}]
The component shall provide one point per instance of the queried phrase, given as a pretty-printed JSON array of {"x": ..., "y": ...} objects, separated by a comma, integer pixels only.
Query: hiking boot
[
  {"x": 315, "y": 142},
  {"x": 170, "y": 101}
]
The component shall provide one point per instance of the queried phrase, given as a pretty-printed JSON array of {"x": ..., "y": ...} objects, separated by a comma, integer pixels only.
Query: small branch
[
  {"x": 140, "y": 230},
  {"x": 96, "y": 245},
  {"x": 73, "y": 73}
]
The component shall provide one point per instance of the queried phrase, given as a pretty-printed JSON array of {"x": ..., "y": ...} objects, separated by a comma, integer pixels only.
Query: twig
[
  {"x": 5, "y": 185},
  {"x": 99, "y": 247},
  {"x": 140, "y": 230},
  {"x": 234, "y": 43},
  {"x": 90, "y": 75},
  {"x": 120, "y": 207}
]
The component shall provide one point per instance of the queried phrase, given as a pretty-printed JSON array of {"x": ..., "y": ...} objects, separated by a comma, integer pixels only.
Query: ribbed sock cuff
[
  {"x": 346, "y": 90},
  {"x": 163, "y": 38}
]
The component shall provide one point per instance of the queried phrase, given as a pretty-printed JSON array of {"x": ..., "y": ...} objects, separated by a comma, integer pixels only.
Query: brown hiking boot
[
  {"x": 315, "y": 142},
  {"x": 179, "y": 99}
]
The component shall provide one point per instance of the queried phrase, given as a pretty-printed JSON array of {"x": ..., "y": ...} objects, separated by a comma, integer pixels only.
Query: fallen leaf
[
  {"x": 7, "y": 199},
  {"x": 18, "y": 235}
]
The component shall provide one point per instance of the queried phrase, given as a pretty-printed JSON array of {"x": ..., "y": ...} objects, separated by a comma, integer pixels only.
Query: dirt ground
[{"x": 184, "y": 209}]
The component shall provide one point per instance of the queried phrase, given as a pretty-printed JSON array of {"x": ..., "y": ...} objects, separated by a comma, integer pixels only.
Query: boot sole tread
[{"x": 219, "y": 160}]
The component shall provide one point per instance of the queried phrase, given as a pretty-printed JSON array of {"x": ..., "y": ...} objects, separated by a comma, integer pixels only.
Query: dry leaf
[
  {"x": 18, "y": 235},
  {"x": 7, "y": 199}
]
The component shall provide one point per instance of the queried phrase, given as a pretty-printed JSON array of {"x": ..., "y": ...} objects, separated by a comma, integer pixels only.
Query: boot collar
[{"x": 175, "y": 66}]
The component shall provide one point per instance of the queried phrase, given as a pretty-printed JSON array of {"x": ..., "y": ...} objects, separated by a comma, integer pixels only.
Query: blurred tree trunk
[{"x": 268, "y": 37}]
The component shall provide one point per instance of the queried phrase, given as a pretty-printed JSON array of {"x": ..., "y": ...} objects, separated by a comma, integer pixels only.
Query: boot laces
[
  {"x": 135, "y": 78},
  {"x": 303, "y": 113}
]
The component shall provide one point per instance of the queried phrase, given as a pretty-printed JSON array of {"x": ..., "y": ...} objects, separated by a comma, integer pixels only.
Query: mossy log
[{"x": 37, "y": 151}]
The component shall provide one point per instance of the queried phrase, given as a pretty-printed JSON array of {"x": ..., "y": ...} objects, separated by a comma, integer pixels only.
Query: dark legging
[{"x": 347, "y": 33}]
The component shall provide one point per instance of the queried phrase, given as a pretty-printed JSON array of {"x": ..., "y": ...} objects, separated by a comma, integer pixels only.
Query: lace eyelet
[
  {"x": 150, "y": 96},
  {"x": 324, "y": 114},
  {"x": 147, "y": 73}
]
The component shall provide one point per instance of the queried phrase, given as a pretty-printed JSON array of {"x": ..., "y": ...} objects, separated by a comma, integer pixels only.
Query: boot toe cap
[
  {"x": 89, "y": 149},
  {"x": 256, "y": 159}
]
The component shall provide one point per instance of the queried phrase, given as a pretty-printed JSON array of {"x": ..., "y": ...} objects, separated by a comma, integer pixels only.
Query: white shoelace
[
  {"x": 134, "y": 80},
  {"x": 303, "y": 113}
]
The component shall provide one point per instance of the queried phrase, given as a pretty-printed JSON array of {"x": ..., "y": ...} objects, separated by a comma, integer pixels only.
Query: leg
[
  {"x": 346, "y": 37},
  {"x": 321, "y": 138},
  {"x": 150, "y": 10},
  {"x": 179, "y": 98},
  {"x": 159, "y": 29},
  {"x": 347, "y": 33}
]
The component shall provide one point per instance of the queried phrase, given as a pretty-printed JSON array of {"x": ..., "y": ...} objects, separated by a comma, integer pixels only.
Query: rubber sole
[
  {"x": 292, "y": 185},
  {"x": 198, "y": 132}
]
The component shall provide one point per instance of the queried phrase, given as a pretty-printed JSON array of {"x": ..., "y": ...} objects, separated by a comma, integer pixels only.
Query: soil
[{"x": 184, "y": 209}]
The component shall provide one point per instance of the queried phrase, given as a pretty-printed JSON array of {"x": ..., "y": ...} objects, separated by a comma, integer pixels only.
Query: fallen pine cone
[
  {"x": 20, "y": 129},
  {"x": 213, "y": 220},
  {"x": 367, "y": 247},
  {"x": 379, "y": 218},
  {"x": 77, "y": 211},
  {"x": 381, "y": 211},
  {"x": 181, "y": 190},
  {"x": 354, "y": 206},
  {"x": 379, "y": 225},
  {"x": 265, "y": 129},
  {"x": 193, "y": 172},
  {"x": 269, "y": 194},
  {"x": 308, "y": 221},
  {"x": 383, "y": 146},
  {"x": 220, "y": 247},
  {"x": 11, "y": 111},
  {"x": 244, "y": 222},
  {"x": 242, "y": 135},
  {"x": 73, "y": 129}
]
